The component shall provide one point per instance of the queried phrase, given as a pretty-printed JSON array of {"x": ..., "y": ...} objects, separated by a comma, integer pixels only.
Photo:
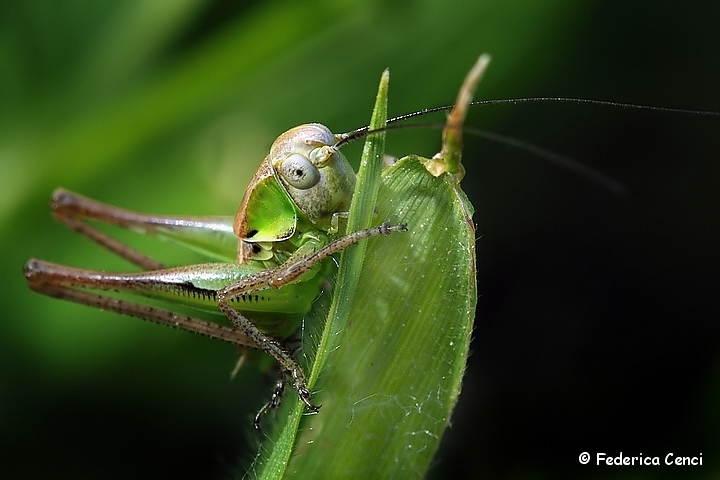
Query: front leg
[
  {"x": 273, "y": 347},
  {"x": 278, "y": 277}
]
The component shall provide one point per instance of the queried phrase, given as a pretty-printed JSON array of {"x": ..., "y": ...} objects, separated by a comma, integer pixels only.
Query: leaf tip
[{"x": 448, "y": 160}]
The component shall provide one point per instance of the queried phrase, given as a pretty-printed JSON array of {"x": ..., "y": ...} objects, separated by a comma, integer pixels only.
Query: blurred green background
[{"x": 597, "y": 326}]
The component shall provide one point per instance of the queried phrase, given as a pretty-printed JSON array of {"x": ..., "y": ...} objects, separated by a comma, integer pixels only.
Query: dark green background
[{"x": 597, "y": 326}]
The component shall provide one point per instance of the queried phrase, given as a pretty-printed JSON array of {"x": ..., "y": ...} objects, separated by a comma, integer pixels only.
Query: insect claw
[{"x": 304, "y": 394}]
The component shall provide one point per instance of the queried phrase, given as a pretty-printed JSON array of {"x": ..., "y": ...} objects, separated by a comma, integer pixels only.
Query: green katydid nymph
[
  {"x": 274, "y": 254},
  {"x": 285, "y": 229}
]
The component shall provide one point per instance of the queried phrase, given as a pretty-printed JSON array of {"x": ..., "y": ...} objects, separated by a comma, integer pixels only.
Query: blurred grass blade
[
  {"x": 136, "y": 31},
  {"x": 108, "y": 131}
]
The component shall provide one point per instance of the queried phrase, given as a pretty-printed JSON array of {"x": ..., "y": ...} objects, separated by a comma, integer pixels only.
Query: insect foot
[
  {"x": 275, "y": 401},
  {"x": 303, "y": 392},
  {"x": 277, "y": 395}
]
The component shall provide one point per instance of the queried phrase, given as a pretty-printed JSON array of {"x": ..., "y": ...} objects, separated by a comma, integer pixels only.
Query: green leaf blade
[
  {"x": 392, "y": 382},
  {"x": 361, "y": 216}
]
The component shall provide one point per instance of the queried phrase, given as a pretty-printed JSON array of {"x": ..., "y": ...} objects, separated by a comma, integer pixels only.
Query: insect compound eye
[{"x": 299, "y": 172}]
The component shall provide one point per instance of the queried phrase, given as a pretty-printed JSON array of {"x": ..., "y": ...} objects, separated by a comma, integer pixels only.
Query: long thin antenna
[
  {"x": 577, "y": 101},
  {"x": 361, "y": 132},
  {"x": 603, "y": 180}
]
